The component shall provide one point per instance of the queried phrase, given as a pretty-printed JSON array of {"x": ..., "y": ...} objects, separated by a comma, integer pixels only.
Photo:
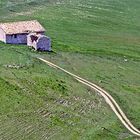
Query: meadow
[{"x": 98, "y": 40}]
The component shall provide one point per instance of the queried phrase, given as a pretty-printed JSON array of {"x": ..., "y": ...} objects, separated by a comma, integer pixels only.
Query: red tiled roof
[{"x": 22, "y": 27}]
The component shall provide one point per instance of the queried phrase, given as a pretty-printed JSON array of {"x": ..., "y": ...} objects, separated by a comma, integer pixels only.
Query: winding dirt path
[{"x": 108, "y": 98}]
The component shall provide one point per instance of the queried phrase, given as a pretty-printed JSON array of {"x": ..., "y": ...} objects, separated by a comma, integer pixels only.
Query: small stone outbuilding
[{"x": 39, "y": 42}]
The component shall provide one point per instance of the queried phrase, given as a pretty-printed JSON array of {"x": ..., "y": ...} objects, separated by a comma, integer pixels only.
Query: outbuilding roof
[{"x": 22, "y": 27}]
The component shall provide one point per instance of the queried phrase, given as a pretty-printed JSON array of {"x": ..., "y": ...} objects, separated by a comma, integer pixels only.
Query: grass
[{"x": 99, "y": 41}]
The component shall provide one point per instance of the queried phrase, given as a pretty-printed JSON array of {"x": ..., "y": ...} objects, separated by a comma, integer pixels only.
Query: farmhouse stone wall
[
  {"x": 2, "y": 35},
  {"x": 16, "y": 39},
  {"x": 43, "y": 43}
]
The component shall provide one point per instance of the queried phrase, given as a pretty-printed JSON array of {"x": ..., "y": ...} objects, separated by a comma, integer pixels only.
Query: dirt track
[{"x": 108, "y": 98}]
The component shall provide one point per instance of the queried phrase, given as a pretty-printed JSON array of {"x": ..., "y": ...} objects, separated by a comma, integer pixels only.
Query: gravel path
[{"x": 108, "y": 98}]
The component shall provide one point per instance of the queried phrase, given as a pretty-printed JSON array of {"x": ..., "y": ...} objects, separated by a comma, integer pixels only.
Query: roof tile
[{"x": 22, "y": 27}]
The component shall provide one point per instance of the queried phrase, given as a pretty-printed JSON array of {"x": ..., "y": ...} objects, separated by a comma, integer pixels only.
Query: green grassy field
[{"x": 98, "y": 40}]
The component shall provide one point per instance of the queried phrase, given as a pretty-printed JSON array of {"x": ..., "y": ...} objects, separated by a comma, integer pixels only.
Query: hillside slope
[{"x": 95, "y": 39}]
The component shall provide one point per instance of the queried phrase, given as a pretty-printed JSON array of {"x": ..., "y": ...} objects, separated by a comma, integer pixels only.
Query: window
[{"x": 15, "y": 36}]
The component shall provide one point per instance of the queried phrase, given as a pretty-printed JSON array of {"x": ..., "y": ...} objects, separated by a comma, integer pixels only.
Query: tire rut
[{"x": 108, "y": 98}]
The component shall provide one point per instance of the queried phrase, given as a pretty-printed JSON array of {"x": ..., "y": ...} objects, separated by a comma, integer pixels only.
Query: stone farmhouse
[{"x": 18, "y": 32}]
